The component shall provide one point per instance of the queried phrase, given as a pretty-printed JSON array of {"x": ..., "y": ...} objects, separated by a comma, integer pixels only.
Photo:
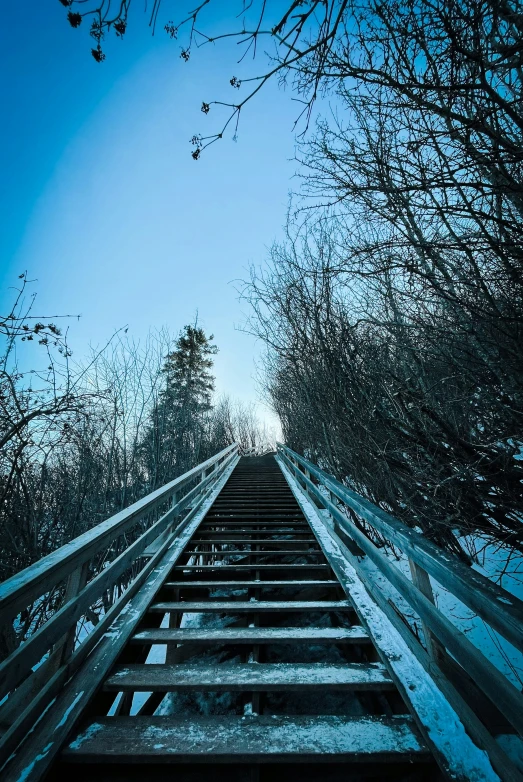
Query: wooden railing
[
  {"x": 109, "y": 563},
  {"x": 445, "y": 644}
]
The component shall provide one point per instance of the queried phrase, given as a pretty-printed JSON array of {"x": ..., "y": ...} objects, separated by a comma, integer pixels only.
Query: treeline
[
  {"x": 80, "y": 443},
  {"x": 393, "y": 313}
]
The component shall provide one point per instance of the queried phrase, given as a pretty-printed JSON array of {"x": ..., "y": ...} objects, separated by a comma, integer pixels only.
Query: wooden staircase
[
  {"x": 249, "y": 645},
  {"x": 305, "y": 683}
]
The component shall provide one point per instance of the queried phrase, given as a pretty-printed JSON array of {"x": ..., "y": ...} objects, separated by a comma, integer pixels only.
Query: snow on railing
[
  {"x": 138, "y": 537},
  {"x": 445, "y": 644}
]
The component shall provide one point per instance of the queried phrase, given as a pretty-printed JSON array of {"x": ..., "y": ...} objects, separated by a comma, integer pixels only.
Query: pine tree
[{"x": 179, "y": 418}]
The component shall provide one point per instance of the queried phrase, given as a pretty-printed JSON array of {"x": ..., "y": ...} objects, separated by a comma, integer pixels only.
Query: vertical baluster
[
  {"x": 421, "y": 580},
  {"x": 75, "y": 583}
]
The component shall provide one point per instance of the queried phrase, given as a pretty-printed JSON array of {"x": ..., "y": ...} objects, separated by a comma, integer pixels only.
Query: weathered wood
[
  {"x": 475, "y": 728},
  {"x": 253, "y": 606},
  {"x": 499, "y": 608},
  {"x": 506, "y": 697},
  {"x": 281, "y": 677},
  {"x": 254, "y": 635},
  {"x": 75, "y": 583},
  {"x": 421, "y": 580},
  {"x": 29, "y": 690},
  {"x": 440, "y": 724},
  {"x": 231, "y": 568},
  {"x": 247, "y": 739},
  {"x": 268, "y": 536},
  {"x": 271, "y": 522},
  {"x": 247, "y": 553},
  {"x": 13, "y": 670},
  {"x": 249, "y": 584},
  {"x": 28, "y": 654},
  {"x": 19, "y": 591},
  {"x": 62, "y": 715},
  {"x": 258, "y": 542}
]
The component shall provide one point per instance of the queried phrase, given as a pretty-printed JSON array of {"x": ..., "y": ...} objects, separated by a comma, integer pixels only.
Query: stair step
[
  {"x": 250, "y": 677},
  {"x": 253, "y": 635},
  {"x": 266, "y": 518},
  {"x": 250, "y": 606},
  {"x": 240, "y": 553},
  {"x": 253, "y": 542},
  {"x": 232, "y": 568},
  {"x": 254, "y": 526},
  {"x": 214, "y": 537},
  {"x": 248, "y": 584},
  {"x": 258, "y": 502},
  {"x": 247, "y": 739}
]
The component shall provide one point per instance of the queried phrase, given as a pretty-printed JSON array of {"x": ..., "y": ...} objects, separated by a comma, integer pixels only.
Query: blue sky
[{"x": 101, "y": 200}]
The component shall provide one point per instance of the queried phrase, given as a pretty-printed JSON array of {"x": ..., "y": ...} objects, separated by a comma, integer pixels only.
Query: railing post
[
  {"x": 421, "y": 580},
  {"x": 75, "y": 583}
]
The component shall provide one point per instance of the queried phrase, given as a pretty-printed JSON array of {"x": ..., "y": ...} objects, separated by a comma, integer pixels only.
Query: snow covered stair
[
  {"x": 252, "y": 606},
  {"x": 282, "y": 677},
  {"x": 253, "y": 635},
  {"x": 242, "y": 658},
  {"x": 248, "y": 739}
]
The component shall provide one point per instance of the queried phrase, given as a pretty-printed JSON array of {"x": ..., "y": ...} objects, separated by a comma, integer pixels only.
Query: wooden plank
[
  {"x": 457, "y": 754},
  {"x": 421, "y": 580},
  {"x": 251, "y": 606},
  {"x": 15, "y": 667},
  {"x": 20, "y": 662},
  {"x": 475, "y": 727},
  {"x": 269, "y": 519},
  {"x": 502, "y": 610},
  {"x": 262, "y": 537},
  {"x": 257, "y": 542},
  {"x": 21, "y": 589},
  {"x": 500, "y": 690},
  {"x": 233, "y": 568},
  {"x": 44, "y": 741},
  {"x": 249, "y": 584},
  {"x": 247, "y": 739},
  {"x": 255, "y": 506},
  {"x": 281, "y": 677},
  {"x": 254, "y": 635},
  {"x": 243, "y": 553}
]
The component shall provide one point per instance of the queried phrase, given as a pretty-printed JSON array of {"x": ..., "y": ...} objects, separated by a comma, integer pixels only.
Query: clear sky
[{"x": 101, "y": 201}]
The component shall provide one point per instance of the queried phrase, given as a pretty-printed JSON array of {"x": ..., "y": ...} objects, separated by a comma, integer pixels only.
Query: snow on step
[
  {"x": 252, "y": 606},
  {"x": 254, "y": 635},
  {"x": 247, "y": 584},
  {"x": 254, "y": 676},
  {"x": 248, "y": 553},
  {"x": 254, "y": 739},
  {"x": 231, "y": 568}
]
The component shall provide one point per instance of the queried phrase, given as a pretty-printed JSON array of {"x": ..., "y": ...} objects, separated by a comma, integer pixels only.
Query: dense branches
[
  {"x": 459, "y": 62},
  {"x": 83, "y": 441},
  {"x": 394, "y": 315}
]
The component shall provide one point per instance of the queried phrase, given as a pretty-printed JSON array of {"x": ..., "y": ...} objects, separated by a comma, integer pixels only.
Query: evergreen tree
[{"x": 174, "y": 440}]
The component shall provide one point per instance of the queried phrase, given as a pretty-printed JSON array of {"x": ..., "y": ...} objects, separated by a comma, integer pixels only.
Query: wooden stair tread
[
  {"x": 253, "y": 541},
  {"x": 240, "y": 552},
  {"x": 248, "y": 584},
  {"x": 251, "y": 606},
  {"x": 246, "y": 739},
  {"x": 254, "y": 635},
  {"x": 249, "y": 677},
  {"x": 230, "y": 568}
]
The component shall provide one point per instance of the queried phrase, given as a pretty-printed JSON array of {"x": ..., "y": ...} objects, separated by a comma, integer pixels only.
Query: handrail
[
  {"x": 499, "y": 608},
  {"x": 487, "y": 677},
  {"x": 33, "y": 674},
  {"x": 21, "y": 589},
  {"x": 57, "y": 636}
]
